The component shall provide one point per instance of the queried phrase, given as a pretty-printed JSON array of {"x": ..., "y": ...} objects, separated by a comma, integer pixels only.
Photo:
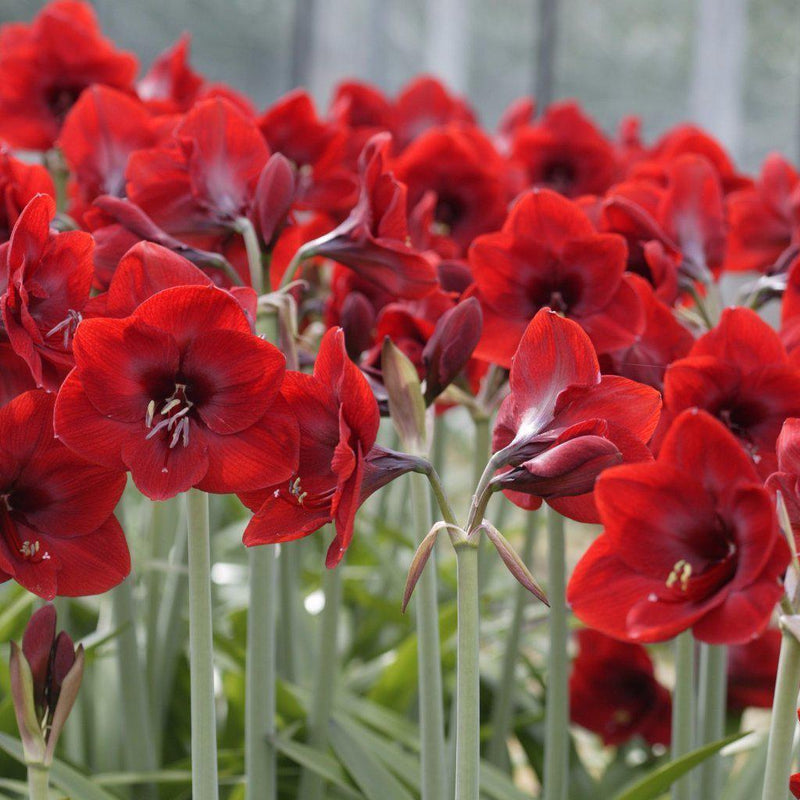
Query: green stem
[
  {"x": 312, "y": 785},
  {"x": 503, "y": 705},
  {"x": 784, "y": 718},
  {"x": 201, "y": 650},
  {"x": 250, "y": 237},
  {"x": 38, "y": 782},
  {"x": 711, "y": 714},
  {"x": 441, "y": 498},
  {"x": 288, "y": 631},
  {"x": 468, "y": 751},
  {"x": 260, "y": 756},
  {"x": 429, "y": 659},
  {"x": 683, "y": 709},
  {"x": 139, "y": 750},
  {"x": 294, "y": 265},
  {"x": 556, "y": 748}
]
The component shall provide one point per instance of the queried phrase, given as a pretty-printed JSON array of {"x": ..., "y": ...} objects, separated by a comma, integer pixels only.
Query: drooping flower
[
  {"x": 690, "y": 541},
  {"x": 46, "y": 65},
  {"x": 613, "y": 691},
  {"x": 100, "y": 132},
  {"x": 563, "y": 423},
  {"x": 340, "y": 464},
  {"x": 45, "y": 280},
  {"x": 58, "y": 534},
  {"x": 739, "y": 372},
  {"x": 373, "y": 240},
  {"x": 548, "y": 254},
  {"x": 182, "y": 394}
]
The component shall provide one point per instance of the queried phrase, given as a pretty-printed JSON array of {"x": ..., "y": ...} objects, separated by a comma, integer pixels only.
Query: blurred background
[{"x": 731, "y": 65}]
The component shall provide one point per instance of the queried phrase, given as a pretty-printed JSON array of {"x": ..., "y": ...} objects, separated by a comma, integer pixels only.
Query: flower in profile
[
  {"x": 45, "y": 677},
  {"x": 690, "y": 541},
  {"x": 564, "y": 423},
  {"x": 46, "y": 65},
  {"x": 372, "y": 241},
  {"x": 58, "y": 533},
  {"x": 46, "y": 278},
  {"x": 340, "y": 464},
  {"x": 613, "y": 691},
  {"x": 182, "y": 394},
  {"x": 548, "y": 254}
]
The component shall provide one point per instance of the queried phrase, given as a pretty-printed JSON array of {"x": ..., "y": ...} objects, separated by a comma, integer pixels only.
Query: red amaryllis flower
[
  {"x": 549, "y": 254},
  {"x": 171, "y": 86},
  {"x": 19, "y": 184},
  {"x": 764, "y": 218},
  {"x": 100, "y": 132},
  {"x": 340, "y": 465},
  {"x": 794, "y": 780},
  {"x": 46, "y": 65},
  {"x": 752, "y": 669},
  {"x": 317, "y": 148},
  {"x": 15, "y": 377},
  {"x": 460, "y": 165},
  {"x": 46, "y": 279},
  {"x": 790, "y": 311},
  {"x": 372, "y": 240},
  {"x": 563, "y": 422},
  {"x": 204, "y": 178},
  {"x": 363, "y": 110},
  {"x": 58, "y": 534},
  {"x": 425, "y": 103},
  {"x": 786, "y": 479},
  {"x": 180, "y": 393},
  {"x": 739, "y": 372},
  {"x": 566, "y": 152},
  {"x": 613, "y": 691},
  {"x": 690, "y": 541}
]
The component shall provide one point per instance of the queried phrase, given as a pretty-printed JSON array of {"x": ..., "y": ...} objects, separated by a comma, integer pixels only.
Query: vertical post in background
[
  {"x": 715, "y": 100},
  {"x": 378, "y": 42},
  {"x": 447, "y": 53},
  {"x": 302, "y": 43},
  {"x": 545, "y": 67}
]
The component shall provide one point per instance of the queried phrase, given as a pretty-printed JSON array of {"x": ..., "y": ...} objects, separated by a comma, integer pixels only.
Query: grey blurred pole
[
  {"x": 545, "y": 70},
  {"x": 378, "y": 41},
  {"x": 447, "y": 52},
  {"x": 302, "y": 43},
  {"x": 715, "y": 100}
]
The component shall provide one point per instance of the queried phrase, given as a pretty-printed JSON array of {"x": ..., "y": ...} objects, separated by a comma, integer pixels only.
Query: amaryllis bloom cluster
[{"x": 690, "y": 541}]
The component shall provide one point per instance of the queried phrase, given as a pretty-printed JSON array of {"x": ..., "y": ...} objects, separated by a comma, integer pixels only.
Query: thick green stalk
[
  {"x": 290, "y": 601},
  {"x": 556, "y": 748},
  {"x": 429, "y": 659},
  {"x": 503, "y": 705},
  {"x": 38, "y": 782},
  {"x": 312, "y": 786},
  {"x": 201, "y": 650},
  {"x": 683, "y": 709},
  {"x": 468, "y": 750},
  {"x": 712, "y": 698},
  {"x": 253, "y": 249},
  {"x": 260, "y": 756},
  {"x": 139, "y": 750},
  {"x": 784, "y": 718}
]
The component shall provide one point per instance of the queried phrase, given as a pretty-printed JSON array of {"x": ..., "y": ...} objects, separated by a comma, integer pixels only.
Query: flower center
[
  {"x": 29, "y": 549},
  {"x": 175, "y": 416},
  {"x": 681, "y": 573},
  {"x": 67, "y": 327}
]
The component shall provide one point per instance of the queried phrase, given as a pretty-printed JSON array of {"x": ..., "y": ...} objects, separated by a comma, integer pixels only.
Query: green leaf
[
  {"x": 319, "y": 763},
  {"x": 64, "y": 777},
  {"x": 658, "y": 782},
  {"x": 156, "y": 776},
  {"x": 367, "y": 771}
]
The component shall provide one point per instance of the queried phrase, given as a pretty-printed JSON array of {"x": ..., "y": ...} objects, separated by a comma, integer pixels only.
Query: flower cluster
[{"x": 564, "y": 278}]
